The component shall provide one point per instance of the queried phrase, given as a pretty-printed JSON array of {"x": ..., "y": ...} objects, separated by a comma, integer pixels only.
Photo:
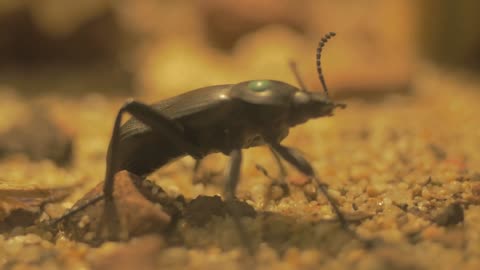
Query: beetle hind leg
[{"x": 158, "y": 123}]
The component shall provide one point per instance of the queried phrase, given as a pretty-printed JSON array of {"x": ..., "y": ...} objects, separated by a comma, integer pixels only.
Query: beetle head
[
  {"x": 300, "y": 104},
  {"x": 274, "y": 98},
  {"x": 306, "y": 104}
]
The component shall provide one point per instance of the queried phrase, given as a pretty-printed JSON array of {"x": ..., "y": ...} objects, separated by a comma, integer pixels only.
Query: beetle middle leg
[{"x": 278, "y": 181}]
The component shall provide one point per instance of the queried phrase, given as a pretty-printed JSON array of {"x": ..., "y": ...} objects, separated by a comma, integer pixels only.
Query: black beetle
[{"x": 221, "y": 118}]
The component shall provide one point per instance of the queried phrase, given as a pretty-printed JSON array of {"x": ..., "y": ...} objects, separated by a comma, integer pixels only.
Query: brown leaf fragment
[
  {"x": 138, "y": 207},
  {"x": 20, "y": 207},
  {"x": 200, "y": 210}
]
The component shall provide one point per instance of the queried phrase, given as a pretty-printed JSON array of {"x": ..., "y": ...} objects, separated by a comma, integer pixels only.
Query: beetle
[{"x": 222, "y": 118}]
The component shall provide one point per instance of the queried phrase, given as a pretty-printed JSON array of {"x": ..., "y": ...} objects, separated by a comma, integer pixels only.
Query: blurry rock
[
  {"x": 266, "y": 53},
  {"x": 139, "y": 207},
  {"x": 451, "y": 215},
  {"x": 21, "y": 207},
  {"x": 39, "y": 138},
  {"x": 166, "y": 64},
  {"x": 229, "y": 20},
  {"x": 351, "y": 70},
  {"x": 140, "y": 253},
  {"x": 450, "y": 33},
  {"x": 57, "y": 18},
  {"x": 55, "y": 46},
  {"x": 372, "y": 56},
  {"x": 437, "y": 151},
  {"x": 391, "y": 258},
  {"x": 179, "y": 18}
]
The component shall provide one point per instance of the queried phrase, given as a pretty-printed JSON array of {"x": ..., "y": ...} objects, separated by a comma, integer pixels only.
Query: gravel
[{"x": 404, "y": 171}]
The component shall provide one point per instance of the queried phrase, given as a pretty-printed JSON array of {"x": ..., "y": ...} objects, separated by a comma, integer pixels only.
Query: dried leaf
[{"x": 20, "y": 207}]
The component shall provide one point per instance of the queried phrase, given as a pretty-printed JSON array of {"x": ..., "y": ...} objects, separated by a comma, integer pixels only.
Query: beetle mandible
[{"x": 221, "y": 118}]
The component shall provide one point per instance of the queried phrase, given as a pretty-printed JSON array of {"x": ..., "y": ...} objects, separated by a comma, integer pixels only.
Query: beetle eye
[{"x": 259, "y": 86}]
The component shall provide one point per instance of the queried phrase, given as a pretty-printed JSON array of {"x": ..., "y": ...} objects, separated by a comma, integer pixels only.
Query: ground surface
[{"x": 395, "y": 167}]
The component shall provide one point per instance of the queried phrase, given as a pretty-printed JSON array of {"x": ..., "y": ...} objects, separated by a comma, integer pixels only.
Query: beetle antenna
[
  {"x": 293, "y": 67},
  {"x": 322, "y": 43}
]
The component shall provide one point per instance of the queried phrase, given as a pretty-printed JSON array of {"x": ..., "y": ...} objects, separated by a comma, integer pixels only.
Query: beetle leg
[
  {"x": 295, "y": 158},
  {"x": 157, "y": 122},
  {"x": 273, "y": 183},
  {"x": 233, "y": 174},
  {"x": 282, "y": 171},
  {"x": 281, "y": 179},
  {"x": 196, "y": 168},
  {"x": 264, "y": 172}
]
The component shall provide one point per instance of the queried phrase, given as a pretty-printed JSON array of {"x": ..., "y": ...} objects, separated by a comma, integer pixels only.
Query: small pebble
[{"x": 310, "y": 191}]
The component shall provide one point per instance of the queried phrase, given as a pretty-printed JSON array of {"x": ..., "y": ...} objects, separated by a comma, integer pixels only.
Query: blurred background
[{"x": 158, "y": 48}]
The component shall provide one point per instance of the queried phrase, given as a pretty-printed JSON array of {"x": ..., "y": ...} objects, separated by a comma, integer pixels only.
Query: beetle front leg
[
  {"x": 295, "y": 158},
  {"x": 232, "y": 177}
]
